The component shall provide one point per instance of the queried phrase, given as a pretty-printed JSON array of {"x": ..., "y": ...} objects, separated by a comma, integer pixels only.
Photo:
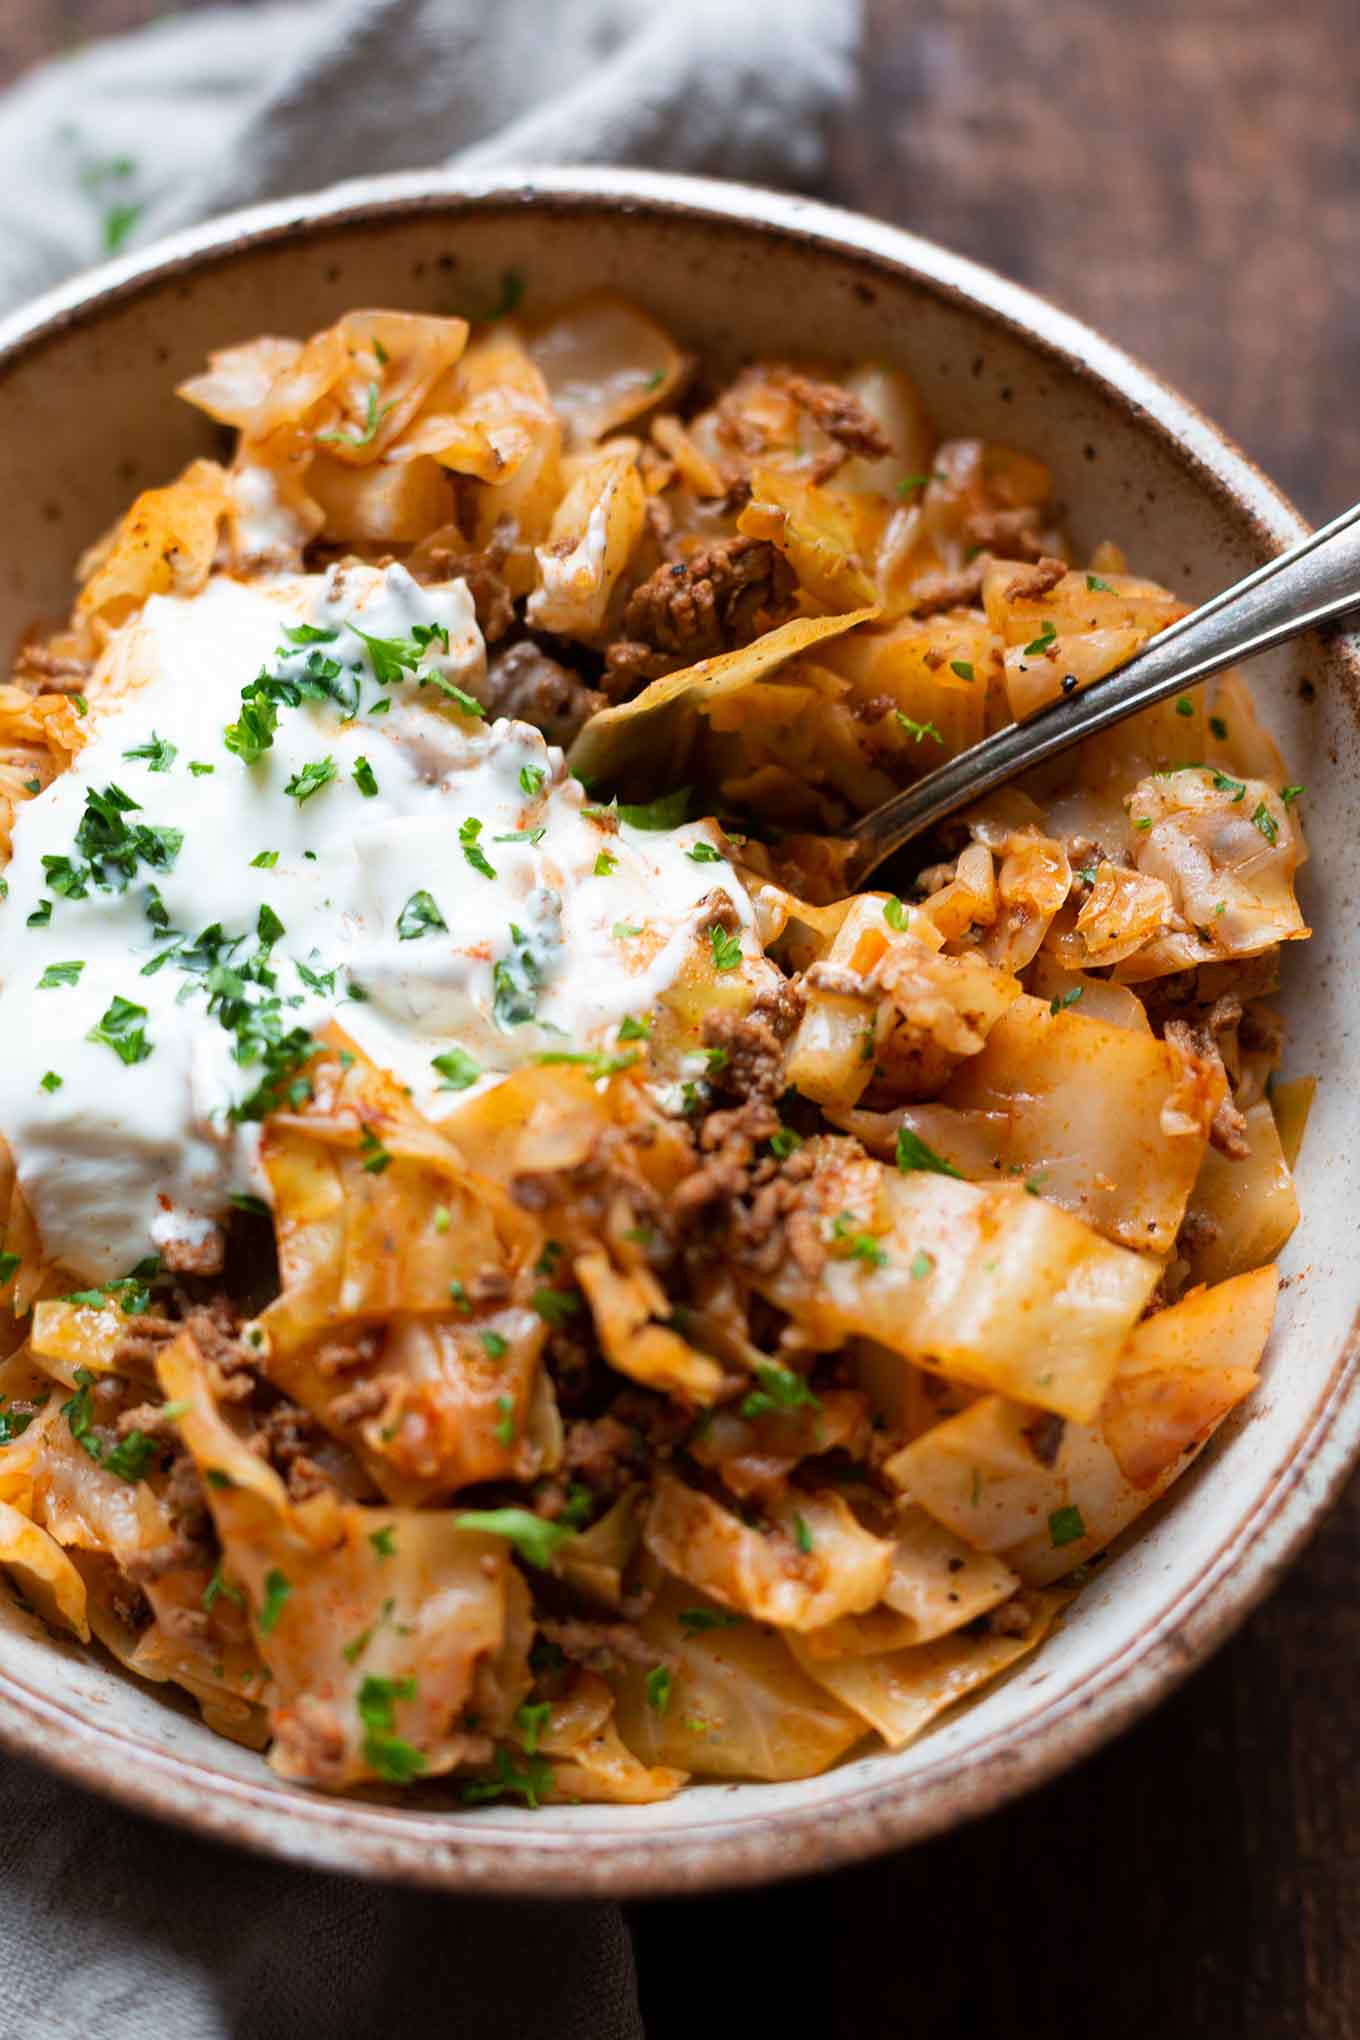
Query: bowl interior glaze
[{"x": 85, "y": 380}]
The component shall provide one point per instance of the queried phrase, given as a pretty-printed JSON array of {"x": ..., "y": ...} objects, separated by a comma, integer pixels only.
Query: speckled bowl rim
[{"x": 434, "y": 1850}]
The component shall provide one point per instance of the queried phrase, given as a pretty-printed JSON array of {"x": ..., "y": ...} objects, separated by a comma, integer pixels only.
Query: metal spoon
[{"x": 1315, "y": 580}]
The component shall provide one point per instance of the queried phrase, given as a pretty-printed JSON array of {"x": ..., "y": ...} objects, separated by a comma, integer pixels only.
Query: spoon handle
[{"x": 1315, "y": 580}]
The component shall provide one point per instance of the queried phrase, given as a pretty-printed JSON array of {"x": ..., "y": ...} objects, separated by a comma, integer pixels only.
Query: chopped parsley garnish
[
  {"x": 157, "y": 752},
  {"x": 962, "y": 667},
  {"x": 130, "y": 1292},
  {"x": 13, "y": 1423},
  {"x": 704, "y": 853},
  {"x": 220, "y": 1585},
  {"x": 784, "y": 1142},
  {"x": 365, "y": 779},
  {"x": 726, "y": 948},
  {"x": 315, "y": 980},
  {"x": 1064, "y": 999},
  {"x": 385, "y": 1752},
  {"x": 321, "y": 679},
  {"x": 622, "y": 931},
  {"x": 9, "y": 1268},
  {"x": 252, "y": 734},
  {"x": 41, "y": 915},
  {"x": 634, "y": 1028},
  {"x": 118, "y": 222},
  {"x": 802, "y": 1535},
  {"x": 1289, "y": 794},
  {"x": 79, "y": 1414},
  {"x": 1097, "y": 586},
  {"x": 578, "y": 1508},
  {"x": 265, "y": 861},
  {"x": 1218, "y": 727},
  {"x": 199, "y": 769},
  {"x": 555, "y": 1306},
  {"x": 468, "y": 703},
  {"x": 533, "y": 1537},
  {"x": 531, "y": 780},
  {"x": 913, "y": 1153},
  {"x": 468, "y": 833},
  {"x": 512, "y": 291},
  {"x": 895, "y": 914},
  {"x": 420, "y": 916},
  {"x": 780, "y": 1389},
  {"x": 531, "y": 1719},
  {"x": 605, "y": 863},
  {"x": 859, "y": 1246},
  {"x": 110, "y": 849},
  {"x": 120, "y": 1028},
  {"x": 910, "y": 483},
  {"x": 376, "y": 1156},
  {"x": 393, "y": 658},
  {"x": 531, "y": 1783},
  {"x": 384, "y": 1541},
  {"x": 1066, "y": 1525},
  {"x": 60, "y": 974},
  {"x": 919, "y": 731},
  {"x": 658, "y": 1687},
  {"x": 495, "y": 1343},
  {"x": 1223, "y": 784},
  {"x": 260, "y": 1038},
  {"x": 310, "y": 634},
  {"x": 503, "y": 1430},
  {"x": 515, "y": 980},
  {"x": 320, "y": 772},
  {"x": 521, "y": 836},
  {"x": 277, "y": 1588},
  {"x": 695, "y": 1621},
  {"x": 668, "y": 811},
  {"x": 458, "y": 1069},
  {"x": 128, "y": 1458},
  {"x": 50, "y": 1082},
  {"x": 921, "y": 1265},
  {"x": 1184, "y": 705},
  {"x": 595, "y": 1061},
  {"x": 268, "y": 926},
  {"x": 373, "y": 417},
  {"x": 1047, "y": 636},
  {"x": 1265, "y": 821}
]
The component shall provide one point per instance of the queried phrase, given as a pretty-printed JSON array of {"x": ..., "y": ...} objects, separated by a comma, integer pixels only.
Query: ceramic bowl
[{"x": 85, "y": 394}]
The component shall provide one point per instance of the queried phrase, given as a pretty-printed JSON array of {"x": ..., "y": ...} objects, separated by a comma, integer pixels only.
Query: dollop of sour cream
[{"x": 432, "y": 882}]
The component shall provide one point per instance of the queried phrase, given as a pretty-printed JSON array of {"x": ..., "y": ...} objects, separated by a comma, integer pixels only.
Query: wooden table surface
[{"x": 1186, "y": 175}]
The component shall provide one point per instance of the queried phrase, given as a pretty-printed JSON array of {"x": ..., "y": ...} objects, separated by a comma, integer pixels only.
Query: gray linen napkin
[
  {"x": 120, "y": 141},
  {"x": 115, "y": 1929}
]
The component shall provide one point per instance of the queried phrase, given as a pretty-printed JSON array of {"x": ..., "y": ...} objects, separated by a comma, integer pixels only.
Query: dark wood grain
[{"x": 1186, "y": 175}]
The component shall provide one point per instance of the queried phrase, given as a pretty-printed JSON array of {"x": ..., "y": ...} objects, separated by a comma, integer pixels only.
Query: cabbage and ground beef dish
[{"x": 507, "y": 1271}]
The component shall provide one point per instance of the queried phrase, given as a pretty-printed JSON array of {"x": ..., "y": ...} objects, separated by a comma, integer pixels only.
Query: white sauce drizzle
[{"x": 123, "y": 1157}]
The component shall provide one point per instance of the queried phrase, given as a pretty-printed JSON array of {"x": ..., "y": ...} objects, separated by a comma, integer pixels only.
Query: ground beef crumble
[
  {"x": 842, "y": 417},
  {"x": 715, "y": 601},
  {"x": 1228, "y": 1133},
  {"x": 522, "y": 682},
  {"x": 600, "y": 1645}
]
